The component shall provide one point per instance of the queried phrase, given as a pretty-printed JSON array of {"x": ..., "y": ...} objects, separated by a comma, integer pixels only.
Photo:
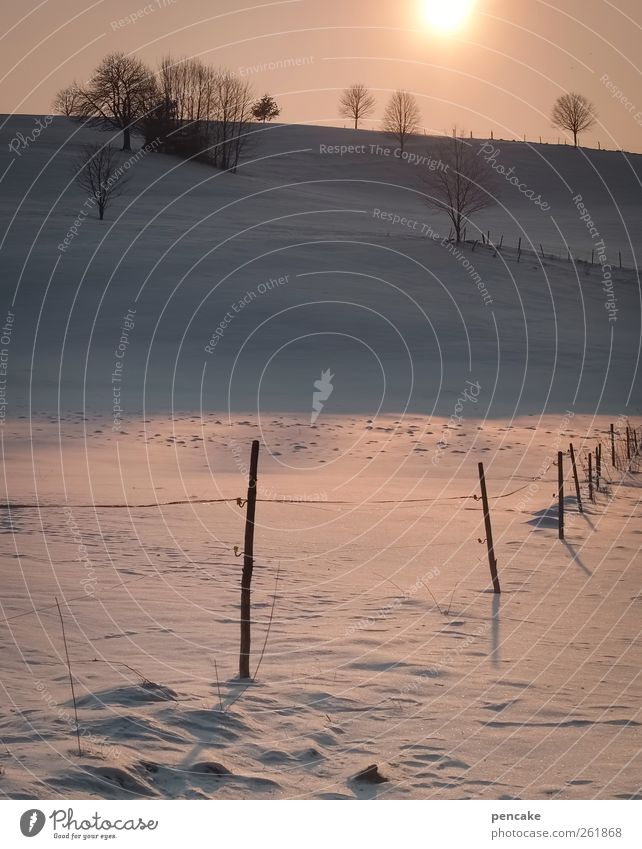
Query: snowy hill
[{"x": 401, "y": 320}]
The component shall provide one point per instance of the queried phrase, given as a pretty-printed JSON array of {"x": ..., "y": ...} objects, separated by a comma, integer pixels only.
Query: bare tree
[
  {"x": 458, "y": 182},
  {"x": 573, "y": 112},
  {"x": 356, "y": 103},
  {"x": 187, "y": 100},
  {"x": 402, "y": 116},
  {"x": 119, "y": 93},
  {"x": 234, "y": 98},
  {"x": 65, "y": 101},
  {"x": 266, "y": 109},
  {"x": 190, "y": 85},
  {"x": 99, "y": 173}
]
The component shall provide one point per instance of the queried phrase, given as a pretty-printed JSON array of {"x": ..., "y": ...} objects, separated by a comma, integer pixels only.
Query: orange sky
[{"x": 501, "y": 72}]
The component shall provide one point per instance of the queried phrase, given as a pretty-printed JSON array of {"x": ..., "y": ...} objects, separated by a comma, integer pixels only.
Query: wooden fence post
[
  {"x": 578, "y": 492},
  {"x": 590, "y": 476},
  {"x": 519, "y": 249},
  {"x": 248, "y": 565},
  {"x": 597, "y": 469},
  {"x": 560, "y": 493},
  {"x": 628, "y": 443},
  {"x": 613, "y": 463},
  {"x": 489, "y": 531}
]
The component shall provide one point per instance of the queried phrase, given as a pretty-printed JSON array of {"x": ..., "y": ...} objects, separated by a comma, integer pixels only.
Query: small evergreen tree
[{"x": 266, "y": 109}]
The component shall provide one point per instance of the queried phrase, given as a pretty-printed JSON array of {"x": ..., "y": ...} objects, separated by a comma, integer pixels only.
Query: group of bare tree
[
  {"x": 462, "y": 184},
  {"x": 191, "y": 108},
  {"x": 572, "y": 112},
  {"x": 401, "y": 117}
]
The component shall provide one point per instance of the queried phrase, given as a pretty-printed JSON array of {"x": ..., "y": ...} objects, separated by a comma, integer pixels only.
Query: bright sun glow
[{"x": 447, "y": 15}]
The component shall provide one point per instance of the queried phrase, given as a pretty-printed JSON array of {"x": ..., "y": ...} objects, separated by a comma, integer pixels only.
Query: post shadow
[{"x": 495, "y": 650}]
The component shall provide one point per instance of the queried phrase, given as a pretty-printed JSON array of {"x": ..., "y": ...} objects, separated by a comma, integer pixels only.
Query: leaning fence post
[
  {"x": 560, "y": 493},
  {"x": 590, "y": 476},
  {"x": 578, "y": 493},
  {"x": 489, "y": 531},
  {"x": 248, "y": 565}
]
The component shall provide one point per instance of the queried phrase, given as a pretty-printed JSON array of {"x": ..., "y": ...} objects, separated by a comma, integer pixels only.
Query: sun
[{"x": 446, "y": 15}]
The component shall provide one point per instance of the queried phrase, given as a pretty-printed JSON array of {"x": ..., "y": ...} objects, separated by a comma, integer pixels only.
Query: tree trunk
[
  {"x": 127, "y": 142},
  {"x": 356, "y": 123},
  {"x": 575, "y": 138},
  {"x": 101, "y": 211}
]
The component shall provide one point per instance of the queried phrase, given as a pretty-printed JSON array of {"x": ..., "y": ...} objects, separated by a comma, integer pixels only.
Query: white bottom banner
[{"x": 286, "y": 824}]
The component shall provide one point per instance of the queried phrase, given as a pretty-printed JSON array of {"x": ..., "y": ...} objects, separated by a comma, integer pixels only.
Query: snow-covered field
[{"x": 382, "y": 642}]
